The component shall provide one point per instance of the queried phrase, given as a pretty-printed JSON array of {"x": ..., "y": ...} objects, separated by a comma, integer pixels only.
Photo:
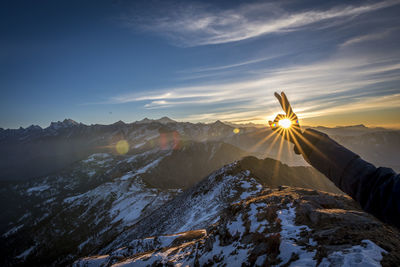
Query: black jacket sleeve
[{"x": 376, "y": 189}]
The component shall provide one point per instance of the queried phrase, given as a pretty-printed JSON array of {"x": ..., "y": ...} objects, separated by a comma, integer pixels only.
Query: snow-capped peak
[
  {"x": 63, "y": 124},
  {"x": 119, "y": 123},
  {"x": 218, "y": 122},
  {"x": 34, "y": 127},
  {"x": 145, "y": 120},
  {"x": 163, "y": 120}
]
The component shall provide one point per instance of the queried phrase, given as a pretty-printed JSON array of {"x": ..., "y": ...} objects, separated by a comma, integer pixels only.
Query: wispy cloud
[
  {"x": 232, "y": 115},
  {"x": 357, "y": 104},
  {"x": 366, "y": 37},
  {"x": 199, "y": 25},
  {"x": 329, "y": 86},
  {"x": 234, "y": 65}
]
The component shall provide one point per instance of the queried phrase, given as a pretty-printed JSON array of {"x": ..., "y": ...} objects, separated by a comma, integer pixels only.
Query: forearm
[
  {"x": 376, "y": 189},
  {"x": 326, "y": 155}
]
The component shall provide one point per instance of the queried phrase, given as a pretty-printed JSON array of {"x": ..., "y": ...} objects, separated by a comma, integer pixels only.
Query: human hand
[{"x": 287, "y": 125}]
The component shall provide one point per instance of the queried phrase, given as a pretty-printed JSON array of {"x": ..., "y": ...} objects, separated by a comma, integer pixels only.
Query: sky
[{"x": 199, "y": 61}]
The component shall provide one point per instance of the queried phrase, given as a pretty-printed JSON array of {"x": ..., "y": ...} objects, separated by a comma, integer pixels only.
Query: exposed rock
[{"x": 304, "y": 230}]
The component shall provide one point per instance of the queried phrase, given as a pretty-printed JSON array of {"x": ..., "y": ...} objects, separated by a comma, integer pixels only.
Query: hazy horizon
[{"x": 257, "y": 123}]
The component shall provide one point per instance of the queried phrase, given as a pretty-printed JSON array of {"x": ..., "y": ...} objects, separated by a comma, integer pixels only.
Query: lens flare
[
  {"x": 122, "y": 147},
  {"x": 236, "y": 130},
  {"x": 285, "y": 123}
]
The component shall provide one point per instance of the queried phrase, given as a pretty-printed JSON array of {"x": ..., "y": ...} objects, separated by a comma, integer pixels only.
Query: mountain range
[
  {"x": 30, "y": 152},
  {"x": 183, "y": 193}
]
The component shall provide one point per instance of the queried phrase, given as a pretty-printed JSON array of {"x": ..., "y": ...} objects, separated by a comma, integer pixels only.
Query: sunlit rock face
[{"x": 284, "y": 226}]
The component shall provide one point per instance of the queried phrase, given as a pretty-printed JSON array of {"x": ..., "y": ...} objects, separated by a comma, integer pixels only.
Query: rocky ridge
[{"x": 286, "y": 226}]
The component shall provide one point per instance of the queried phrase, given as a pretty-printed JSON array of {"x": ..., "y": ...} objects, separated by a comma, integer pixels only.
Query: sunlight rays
[
  {"x": 288, "y": 147},
  {"x": 308, "y": 143},
  {"x": 262, "y": 141},
  {"x": 272, "y": 143},
  {"x": 278, "y": 156}
]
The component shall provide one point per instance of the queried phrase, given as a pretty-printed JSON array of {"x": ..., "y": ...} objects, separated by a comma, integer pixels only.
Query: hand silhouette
[{"x": 291, "y": 132}]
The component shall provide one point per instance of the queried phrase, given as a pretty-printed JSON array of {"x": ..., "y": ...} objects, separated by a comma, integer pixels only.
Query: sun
[{"x": 285, "y": 123}]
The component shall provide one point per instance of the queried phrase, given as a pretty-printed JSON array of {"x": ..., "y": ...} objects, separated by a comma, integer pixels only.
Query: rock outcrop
[{"x": 283, "y": 226}]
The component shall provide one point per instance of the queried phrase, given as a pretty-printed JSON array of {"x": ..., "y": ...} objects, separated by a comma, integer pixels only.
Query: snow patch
[
  {"x": 93, "y": 157},
  {"x": 91, "y": 173},
  {"x": 13, "y": 230},
  {"x": 233, "y": 255},
  {"x": 127, "y": 176},
  {"x": 139, "y": 145},
  {"x": 236, "y": 226},
  {"x": 246, "y": 184},
  {"x": 83, "y": 244},
  {"x": 25, "y": 216},
  {"x": 39, "y": 188},
  {"x": 73, "y": 198},
  {"x": 291, "y": 232},
  {"x": 50, "y": 200},
  {"x": 148, "y": 166},
  {"x": 24, "y": 254},
  {"x": 255, "y": 225},
  {"x": 368, "y": 254},
  {"x": 126, "y": 210}
]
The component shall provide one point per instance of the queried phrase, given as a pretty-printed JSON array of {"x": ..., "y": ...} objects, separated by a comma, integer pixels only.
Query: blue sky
[{"x": 104, "y": 61}]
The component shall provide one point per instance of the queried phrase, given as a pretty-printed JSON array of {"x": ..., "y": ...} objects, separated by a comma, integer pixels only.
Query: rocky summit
[
  {"x": 246, "y": 223},
  {"x": 287, "y": 226}
]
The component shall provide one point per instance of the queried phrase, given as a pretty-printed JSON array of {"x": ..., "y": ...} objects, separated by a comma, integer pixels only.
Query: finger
[
  {"x": 286, "y": 105},
  {"x": 279, "y": 117},
  {"x": 279, "y": 99},
  {"x": 292, "y": 116},
  {"x": 273, "y": 123}
]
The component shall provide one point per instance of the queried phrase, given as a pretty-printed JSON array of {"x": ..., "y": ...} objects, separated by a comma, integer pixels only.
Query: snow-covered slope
[
  {"x": 80, "y": 208},
  {"x": 88, "y": 204},
  {"x": 195, "y": 208},
  {"x": 202, "y": 204},
  {"x": 273, "y": 227}
]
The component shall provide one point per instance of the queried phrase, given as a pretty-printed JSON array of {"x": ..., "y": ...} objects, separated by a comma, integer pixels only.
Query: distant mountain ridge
[
  {"x": 350, "y": 130},
  {"x": 67, "y": 122},
  {"x": 31, "y": 152}
]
